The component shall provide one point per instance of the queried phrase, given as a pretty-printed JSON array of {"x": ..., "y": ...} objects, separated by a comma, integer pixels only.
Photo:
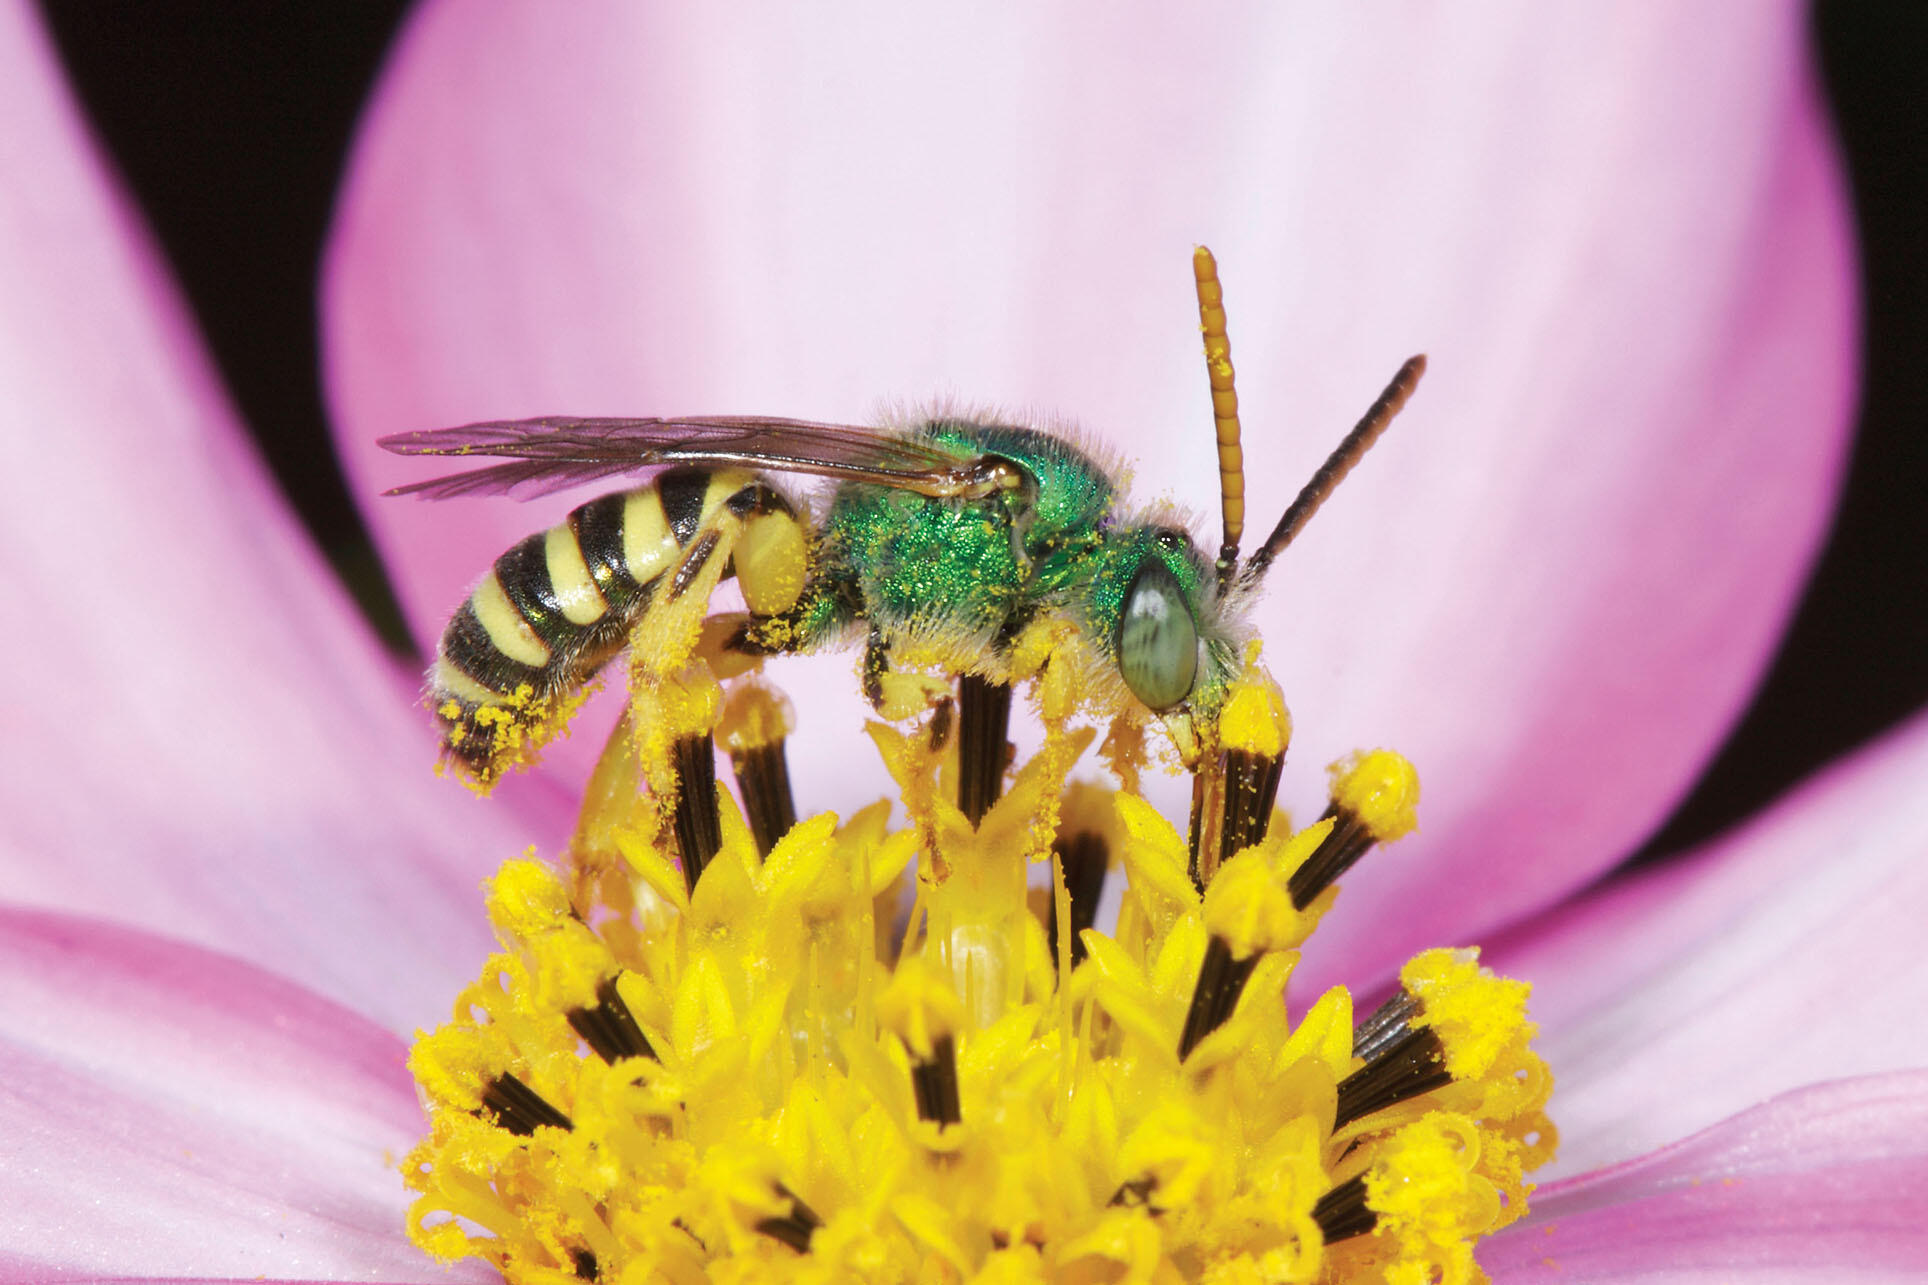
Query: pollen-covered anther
[
  {"x": 1342, "y": 1213},
  {"x": 518, "y": 1108},
  {"x": 1254, "y": 730},
  {"x": 1451, "y": 1023},
  {"x": 794, "y": 1228},
  {"x": 757, "y": 720},
  {"x": 793, "y": 1070},
  {"x": 609, "y": 1027},
  {"x": 699, "y": 833},
  {"x": 922, "y": 1010},
  {"x": 1248, "y": 913},
  {"x": 1374, "y": 799}
]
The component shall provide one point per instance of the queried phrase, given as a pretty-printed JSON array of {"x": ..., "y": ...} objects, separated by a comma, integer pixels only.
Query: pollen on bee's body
[{"x": 711, "y": 1049}]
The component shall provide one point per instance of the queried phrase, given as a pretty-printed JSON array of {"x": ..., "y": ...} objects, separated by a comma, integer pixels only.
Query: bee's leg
[
  {"x": 1208, "y": 794},
  {"x": 876, "y": 665},
  {"x": 983, "y": 743}
]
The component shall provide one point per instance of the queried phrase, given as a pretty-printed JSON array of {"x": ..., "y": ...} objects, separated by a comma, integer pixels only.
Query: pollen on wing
[{"x": 819, "y": 1057}]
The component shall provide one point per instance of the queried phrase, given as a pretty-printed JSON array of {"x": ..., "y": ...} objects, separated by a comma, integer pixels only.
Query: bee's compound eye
[{"x": 1157, "y": 639}]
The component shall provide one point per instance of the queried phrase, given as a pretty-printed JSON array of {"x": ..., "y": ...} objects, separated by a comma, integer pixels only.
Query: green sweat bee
[{"x": 958, "y": 527}]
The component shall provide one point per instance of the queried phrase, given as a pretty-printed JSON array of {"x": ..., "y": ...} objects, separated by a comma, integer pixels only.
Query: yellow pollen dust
[{"x": 867, "y": 1055}]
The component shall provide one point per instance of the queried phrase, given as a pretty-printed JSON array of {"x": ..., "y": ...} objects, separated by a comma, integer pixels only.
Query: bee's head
[{"x": 1155, "y": 603}]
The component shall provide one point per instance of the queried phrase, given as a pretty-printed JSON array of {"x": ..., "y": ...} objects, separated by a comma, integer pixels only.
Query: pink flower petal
[
  {"x": 200, "y": 736},
  {"x": 1786, "y": 953},
  {"x": 1826, "y": 1184},
  {"x": 1619, "y": 233},
  {"x": 173, "y": 1112}
]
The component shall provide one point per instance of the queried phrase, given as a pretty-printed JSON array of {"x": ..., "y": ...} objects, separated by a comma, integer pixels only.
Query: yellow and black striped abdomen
[{"x": 556, "y": 607}]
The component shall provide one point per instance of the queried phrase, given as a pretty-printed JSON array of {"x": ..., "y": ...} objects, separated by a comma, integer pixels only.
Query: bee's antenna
[
  {"x": 1337, "y": 465},
  {"x": 1218, "y": 369}
]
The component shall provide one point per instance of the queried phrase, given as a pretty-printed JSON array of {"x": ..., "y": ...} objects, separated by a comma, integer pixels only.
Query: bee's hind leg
[{"x": 876, "y": 668}]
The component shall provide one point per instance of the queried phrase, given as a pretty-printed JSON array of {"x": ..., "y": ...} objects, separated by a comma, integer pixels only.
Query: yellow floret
[
  {"x": 1381, "y": 789},
  {"x": 762, "y": 1117}
]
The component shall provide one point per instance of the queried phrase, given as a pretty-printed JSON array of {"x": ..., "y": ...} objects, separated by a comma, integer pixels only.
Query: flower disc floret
[{"x": 865, "y": 1051}]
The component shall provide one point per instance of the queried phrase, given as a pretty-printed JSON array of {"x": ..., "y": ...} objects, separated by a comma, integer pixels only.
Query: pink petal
[
  {"x": 1619, "y": 232},
  {"x": 1787, "y": 953},
  {"x": 174, "y": 1112},
  {"x": 199, "y": 734},
  {"x": 1825, "y": 1184}
]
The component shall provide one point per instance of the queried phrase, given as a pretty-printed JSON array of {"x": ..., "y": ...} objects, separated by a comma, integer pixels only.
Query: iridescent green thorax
[
  {"x": 915, "y": 562},
  {"x": 974, "y": 572},
  {"x": 1074, "y": 495}
]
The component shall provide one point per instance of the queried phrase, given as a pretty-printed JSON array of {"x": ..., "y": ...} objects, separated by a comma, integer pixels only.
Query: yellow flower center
[{"x": 714, "y": 1049}]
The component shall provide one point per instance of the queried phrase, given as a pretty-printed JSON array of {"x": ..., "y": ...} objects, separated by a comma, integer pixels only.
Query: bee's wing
[{"x": 554, "y": 453}]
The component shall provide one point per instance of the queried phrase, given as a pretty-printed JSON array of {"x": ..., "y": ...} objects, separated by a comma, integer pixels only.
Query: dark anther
[
  {"x": 1342, "y": 1212},
  {"x": 585, "y": 1264},
  {"x": 1388, "y": 1023},
  {"x": 940, "y": 732},
  {"x": 610, "y": 1028},
  {"x": 983, "y": 743},
  {"x": 1251, "y": 787},
  {"x": 935, "y": 1084},
  {"x": 1135, "y": 1192},
  {"x": 1411, "y": 1064},
  {"x": 1341, "y": 849},
  {"x": 1084, "y": 856},
  {"x": 1221, "y": 979},
  {"x": 699, "y": 832},
  {"x": 763, "y": 777},
  {"x": 519, "y": 1108},
  {"x": 795, "y": 1228}
]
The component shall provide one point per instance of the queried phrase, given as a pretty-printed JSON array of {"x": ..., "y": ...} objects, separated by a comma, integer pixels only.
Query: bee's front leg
[{"x": 893, "y": 694}]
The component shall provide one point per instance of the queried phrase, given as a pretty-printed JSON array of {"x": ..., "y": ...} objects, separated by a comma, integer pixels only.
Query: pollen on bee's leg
[
  {"x": 1374, "y": 796},
  {"x": 756, "y": 723},
  {"x": 983, "y": 743}
]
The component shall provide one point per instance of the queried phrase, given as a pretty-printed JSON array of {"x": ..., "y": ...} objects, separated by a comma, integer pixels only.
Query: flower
[{"x": 229, "y": 885}]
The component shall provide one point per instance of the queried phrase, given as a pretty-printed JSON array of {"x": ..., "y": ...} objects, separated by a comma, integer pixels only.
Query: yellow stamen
[{"x": 730, "y": 1079}]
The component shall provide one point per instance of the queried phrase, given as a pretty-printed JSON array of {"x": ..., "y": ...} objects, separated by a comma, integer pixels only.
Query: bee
[{"x": 958, "y": 529}]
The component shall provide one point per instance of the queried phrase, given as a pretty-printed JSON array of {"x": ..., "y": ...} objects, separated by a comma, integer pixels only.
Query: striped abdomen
[{"x": 556, "y": 607}]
